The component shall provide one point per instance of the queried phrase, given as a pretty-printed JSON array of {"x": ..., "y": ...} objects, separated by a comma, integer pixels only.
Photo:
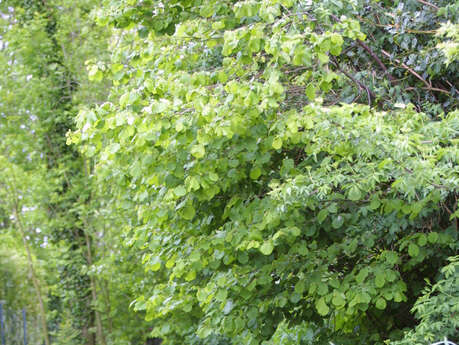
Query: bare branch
[
  {"x": 372, "y": 54},
  {"x": 413, "y": 72},
  {"x": 377, "y": 59},
  {"x": 428, "y": 4},
  {"x": 370, "y": 94}
]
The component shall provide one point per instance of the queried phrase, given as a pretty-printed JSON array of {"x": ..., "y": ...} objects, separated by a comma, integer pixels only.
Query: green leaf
[
  {"x": 338, "y": 299},
  {"x": 187, "y": 307},
  {"x": 311, "y": 92},
  {"x": 322, "y": 307},
  {"x": 170, "y": 263},
  {"x": 360, "y": 277},
  {"x": 222, "y": 77},
  {"x": 218, "y": 25},
  {"x": 180, "y": 191},
  {"x": 195, "y": 256},
  {"x": 204, "y": 331},
  {"x": 255, "y": 173},
  {"x": 221, "y": 281},
  {"x": 124, "y": 99},
  {"x": 322, "y": 289},
  {"x": 354, "y": 193},
  {"x": 277, "y": 143},
  {"x": 188, "y": 212},
  {"x": 295, "y": 297},
  {"x": 294, "y": 231},
  {"x": 432, "y": 237},
  {"x": 267, "y": 248},
  {"x": 303, "y": 249},
  {"x": 300, "y": 287},
  {"x": 422, "y": 240},
  {"x": 333, "y": 208},
  {"x": 338, "y": 222},
  {"x": 380, "y": 280},
  {"x": 198, "y": 151},
  {"x": 335, "y": 50},
  {"x": 336, "y": 39},
  {"x": 95, "y": 74},
  {"x": 179, "y": 126},
  {"x": 221, "y": 295},
  {"x": 308, "y": 123},
  {"x": 374, "y": 204},
  {"x": 323, "y": 58},
  {"x": 413, "y": 250},
  {"x": 392, "y": 257},
  {"x": 254, "y": 45},
  {"x": 194, "y": 183},
  {"x": 155, "y": 265},
  {"x": 381, "y": 303},
  {"x": 191, "y": 275},
  {"x": 398, "y": 297},
  {"x": 213, "y": 176},
  {"x": 322, "y": 215}
]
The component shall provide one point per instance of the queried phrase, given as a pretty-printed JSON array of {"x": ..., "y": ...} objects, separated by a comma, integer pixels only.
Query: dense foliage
[
  {"x": 47, "y": 198},
  {"x": 240, "y": 172}
]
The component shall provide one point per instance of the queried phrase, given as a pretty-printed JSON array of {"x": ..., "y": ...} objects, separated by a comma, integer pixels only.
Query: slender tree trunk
[
  {"x": 89, "y": 338},
  {"x": 99, "y": 330},
  {"x": 35, "y": 280},
  {"x": 106, "y": 292},
  {"x": 93, "y": 280}
]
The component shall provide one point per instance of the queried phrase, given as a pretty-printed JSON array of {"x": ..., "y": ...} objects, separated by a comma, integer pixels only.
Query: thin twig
[
  {"x": 429, "y": 89},
  {"x": 370, "y": 94},
  {"x": 408, "y": 68},
  {"x": 428, "y": 4},
  {"x": 377, "y": 59},
  {"x": 413, "y": 72},
  {"x": 386, "y": 26},
  {"x": 372, "y": 54}
]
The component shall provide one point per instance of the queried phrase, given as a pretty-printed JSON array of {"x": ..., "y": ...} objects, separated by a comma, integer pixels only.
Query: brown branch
[
  {"x": 295, "y": 70},
  {"x": 385, "y": 26},
  {"x": 370, "y": 94},
  {"x": 377, "y": 59},
  {"x": 439, "y": 186},
  {"x": 372, "y": 54},
  {"x": 413, "y": 72},
  {"x": 430, "y": 89},
  {"x": 428, "y": 4},
  {"x": 437, "y": 89}
]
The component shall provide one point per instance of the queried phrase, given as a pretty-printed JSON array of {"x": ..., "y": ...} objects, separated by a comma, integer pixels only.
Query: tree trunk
[{"x": 99, "y": 330}]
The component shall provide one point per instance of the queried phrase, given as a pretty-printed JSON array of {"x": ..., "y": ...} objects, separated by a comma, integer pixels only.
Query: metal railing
[
  {"x": 18, "y": 328},
  {"x": 444, "y": 342}
]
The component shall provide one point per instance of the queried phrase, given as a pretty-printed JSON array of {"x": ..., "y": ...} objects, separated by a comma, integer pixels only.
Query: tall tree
[{"x": 45, "y": 49}]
